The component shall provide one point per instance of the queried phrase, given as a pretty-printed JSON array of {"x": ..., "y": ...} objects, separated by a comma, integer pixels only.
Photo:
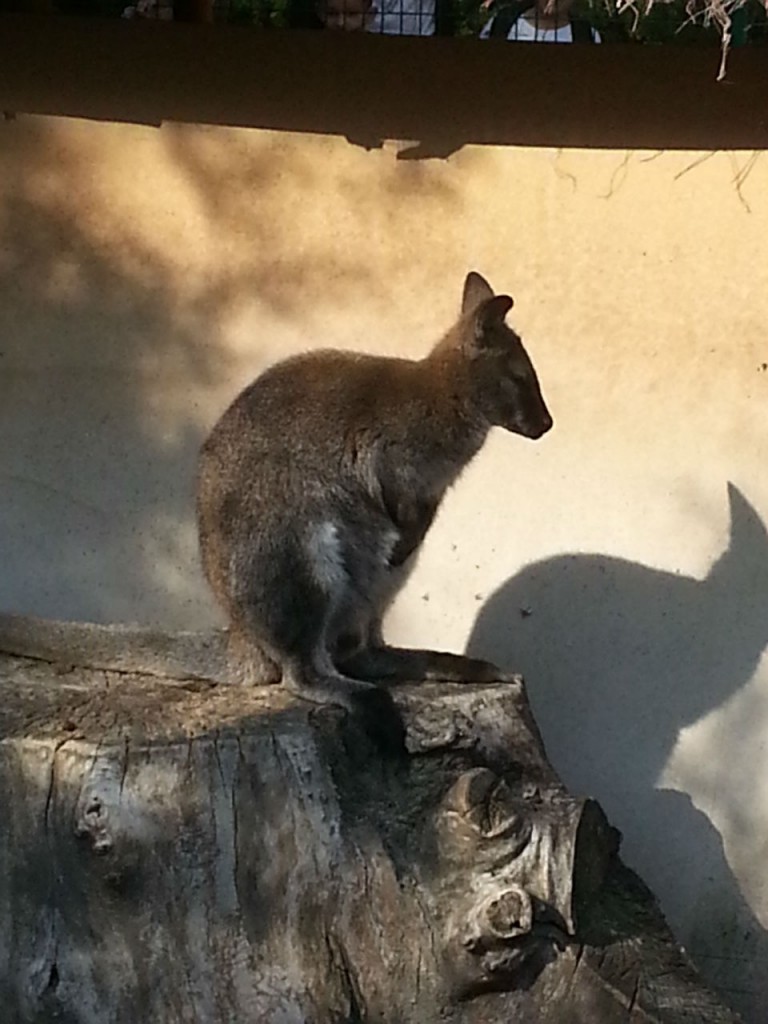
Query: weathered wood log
[{"x": 178, "y": 850}]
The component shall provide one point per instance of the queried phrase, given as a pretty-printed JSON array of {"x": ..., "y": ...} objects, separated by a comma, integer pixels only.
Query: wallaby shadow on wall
[{"x": 618, "y": 658}]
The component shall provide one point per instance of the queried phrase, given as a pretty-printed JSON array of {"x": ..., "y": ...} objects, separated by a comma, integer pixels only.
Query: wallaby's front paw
[{"x": 380, "y": 717}]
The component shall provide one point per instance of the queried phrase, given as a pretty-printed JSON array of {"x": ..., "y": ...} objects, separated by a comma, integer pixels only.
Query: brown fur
[{"x": 319, "y": 483}]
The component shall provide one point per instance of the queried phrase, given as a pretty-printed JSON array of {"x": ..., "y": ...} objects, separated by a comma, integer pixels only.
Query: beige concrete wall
[{"x": 147, "y": 274}]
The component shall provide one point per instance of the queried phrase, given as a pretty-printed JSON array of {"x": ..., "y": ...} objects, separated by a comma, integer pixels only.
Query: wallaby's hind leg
[
  {"x": 369, "y": 703},
  {"x": 290, "y": 624},
  {"x": 360, "y": 651},
  {"x": 319, "y": 681},
  {"x": 385, "y": 664}
]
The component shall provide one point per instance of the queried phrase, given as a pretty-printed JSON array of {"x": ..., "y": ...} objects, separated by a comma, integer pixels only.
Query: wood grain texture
[{"x": 176, "y": 850}]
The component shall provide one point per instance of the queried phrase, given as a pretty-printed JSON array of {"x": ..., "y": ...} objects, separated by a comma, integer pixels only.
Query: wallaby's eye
[{"x": 514, "y": 371}]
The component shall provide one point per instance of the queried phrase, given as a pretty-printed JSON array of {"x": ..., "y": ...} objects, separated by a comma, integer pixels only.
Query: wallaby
[{"x": 319, "y": 482}]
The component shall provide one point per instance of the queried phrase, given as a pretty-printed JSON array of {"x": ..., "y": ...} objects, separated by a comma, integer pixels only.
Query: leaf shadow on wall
[
  {"x": 618, "y": 659},
  {"x": 94, "y": 481},
  {"x": 125, "y": 253}
]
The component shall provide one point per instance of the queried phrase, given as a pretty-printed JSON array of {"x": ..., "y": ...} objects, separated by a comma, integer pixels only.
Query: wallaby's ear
[
  {"x": 489, "y": 316},
  {"x": 476, "y": 290}
]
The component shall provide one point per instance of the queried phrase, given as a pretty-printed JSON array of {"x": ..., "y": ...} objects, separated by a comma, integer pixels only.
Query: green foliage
[
  {"x": 261, "y": 13},
  {"x": 674, "y": 22},
  {"x": 468, "y": 18},
  {"x": 666, "y": 22}
]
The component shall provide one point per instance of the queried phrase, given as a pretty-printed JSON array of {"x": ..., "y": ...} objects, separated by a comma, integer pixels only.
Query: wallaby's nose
[{"x": 545, "y": 423}]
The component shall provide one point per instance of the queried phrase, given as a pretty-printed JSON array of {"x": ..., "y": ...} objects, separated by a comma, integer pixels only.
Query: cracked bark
[{"x": 175, "y": 849}]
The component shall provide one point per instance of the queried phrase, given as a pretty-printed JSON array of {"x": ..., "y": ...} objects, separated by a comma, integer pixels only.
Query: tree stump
[{"x": 176, "y": 849}]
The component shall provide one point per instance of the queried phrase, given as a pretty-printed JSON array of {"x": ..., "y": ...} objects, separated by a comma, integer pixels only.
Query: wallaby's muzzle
[
  {"x": 540, "y": 427},
  {"x": 532, "y": 421}
]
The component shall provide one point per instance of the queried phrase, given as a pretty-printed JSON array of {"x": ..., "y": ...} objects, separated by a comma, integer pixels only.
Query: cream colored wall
[{"x": 146, "y": 274}]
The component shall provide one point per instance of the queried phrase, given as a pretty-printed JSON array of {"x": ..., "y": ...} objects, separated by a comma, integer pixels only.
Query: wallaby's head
[{"x": 505, "y": 388}]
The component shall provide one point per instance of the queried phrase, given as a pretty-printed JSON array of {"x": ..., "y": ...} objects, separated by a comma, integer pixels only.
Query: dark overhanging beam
[{"x": 442, "y": 92}]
